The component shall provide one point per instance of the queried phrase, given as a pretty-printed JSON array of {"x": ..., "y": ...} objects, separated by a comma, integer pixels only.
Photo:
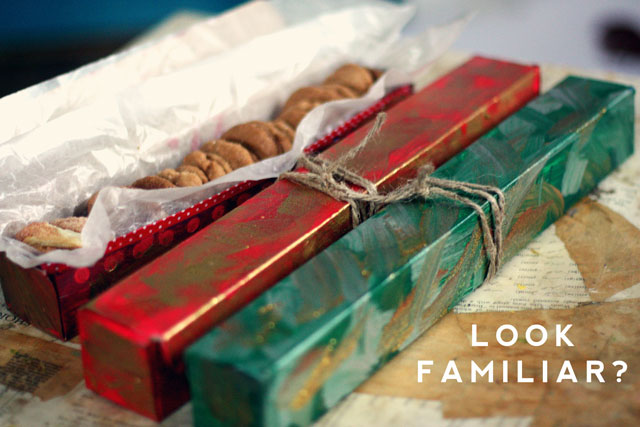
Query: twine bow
[{"x": 336, "y": 180}]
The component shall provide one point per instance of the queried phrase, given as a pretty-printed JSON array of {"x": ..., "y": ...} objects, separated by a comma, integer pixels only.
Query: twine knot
[{"x": 336, "y": 180}]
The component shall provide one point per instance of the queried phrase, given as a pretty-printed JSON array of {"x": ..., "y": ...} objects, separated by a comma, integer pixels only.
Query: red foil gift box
[
  {"x": 133, "y": 335},
  {"x": 49, "y": 296}
]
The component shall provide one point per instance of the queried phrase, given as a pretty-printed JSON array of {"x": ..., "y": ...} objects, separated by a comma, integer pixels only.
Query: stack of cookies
[{"x": 250, "y": 142}]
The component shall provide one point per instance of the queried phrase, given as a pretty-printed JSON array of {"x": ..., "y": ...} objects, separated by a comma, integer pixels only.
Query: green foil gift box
[{"x": 316, "y": 335}]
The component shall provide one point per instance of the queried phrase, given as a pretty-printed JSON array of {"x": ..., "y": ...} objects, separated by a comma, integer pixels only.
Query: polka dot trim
[
  {"x": 165, "y": 238},
  {"x": 217, "y": 212},
  {"x": 143, "y": 246},
  {"x": 81, "y": 275},
  {"x": 193, "y": 225}
]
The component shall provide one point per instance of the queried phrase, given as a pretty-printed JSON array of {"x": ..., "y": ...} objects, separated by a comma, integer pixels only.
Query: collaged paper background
[{"x": 544, "y": 283}]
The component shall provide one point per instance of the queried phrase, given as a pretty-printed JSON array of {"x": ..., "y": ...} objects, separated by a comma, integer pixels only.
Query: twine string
[{"x": 336, "y": 180}]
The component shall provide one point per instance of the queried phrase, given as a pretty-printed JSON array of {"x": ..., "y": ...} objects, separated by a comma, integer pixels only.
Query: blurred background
[{"x": 40, "y": 39}]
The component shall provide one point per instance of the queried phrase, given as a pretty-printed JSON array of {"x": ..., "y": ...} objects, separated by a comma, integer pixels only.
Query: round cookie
[
  {"x": 282, "y": 138},
  {"x": 152, "y": 183},
  {"x": 355, "y": 77},
  {"x": 319, "y": 94},
  {"x": 195, "y": 170},
  {"x": 342, "y": 90},
  {"x": 187, "y": 179},
  {"x": 221, "y": 161},
  {"x": 198, "y": 159},
  {"x": 253, "y": 137},
  {"x": 169, "y": 174},
  {"x": 235, "y": 154},
  {"x": 214, "y": 170},
  {"x": 294, "y": 115},
  {"x": 285, "y": 128}
]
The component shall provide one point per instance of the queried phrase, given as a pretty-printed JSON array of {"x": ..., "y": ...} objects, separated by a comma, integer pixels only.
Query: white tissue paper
[
  {"x": 55, "y": 162},
  {"x": 41, "y": 103}
]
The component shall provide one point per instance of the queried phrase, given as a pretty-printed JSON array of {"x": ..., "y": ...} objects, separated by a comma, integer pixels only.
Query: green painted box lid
[{"x": 316, "y": 335}]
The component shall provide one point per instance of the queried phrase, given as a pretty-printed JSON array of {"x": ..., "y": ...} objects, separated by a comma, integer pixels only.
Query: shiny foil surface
[
  {"x": 317, "y": 334},
  {"x": 154, "y": 314}
]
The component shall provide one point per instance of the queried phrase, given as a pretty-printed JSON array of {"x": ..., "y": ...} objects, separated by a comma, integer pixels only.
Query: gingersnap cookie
[
  {"x": 73, "y": 223},
  {"x": 152, "y": 183},
  {"x": 169, "y": 174},
  {"x": 235, "y": 154},
  {"x": 353, "y": 76},
  {"x": 221, "y": 161},
  {"x": 46, "y": 237},
  {"x": 254, "y": 138},
  {"x": 282, "y": 139},
  {"x": 285, "y": 129},
  {"x": 319, "y": 94},
  {"x": 195, "y": 170},
  {"x": 214, "y": 170},
  {"x": 198, "y": 159},
  {"x": 188, "y": 179},
  {"x": 240, "y": 146},
  {"x": 278, "y": 138},
  {"x": 212, "y": 165},
  {"x": 294, "y": 114}
]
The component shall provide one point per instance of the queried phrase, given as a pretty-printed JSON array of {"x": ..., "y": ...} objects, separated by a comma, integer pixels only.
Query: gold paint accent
[
  {"x": 399, "y": 328},
  {"x": 178, "y": 327},
  {"x": 331, "y": 359},
  {"x": 266, "y": 308},
  {"x": 304, "y": 315}
]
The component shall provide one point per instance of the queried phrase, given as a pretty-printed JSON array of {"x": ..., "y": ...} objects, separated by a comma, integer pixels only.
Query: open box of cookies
[
  {"x": 131, "y": 175},
  {"x": 49, "y": 296}
]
